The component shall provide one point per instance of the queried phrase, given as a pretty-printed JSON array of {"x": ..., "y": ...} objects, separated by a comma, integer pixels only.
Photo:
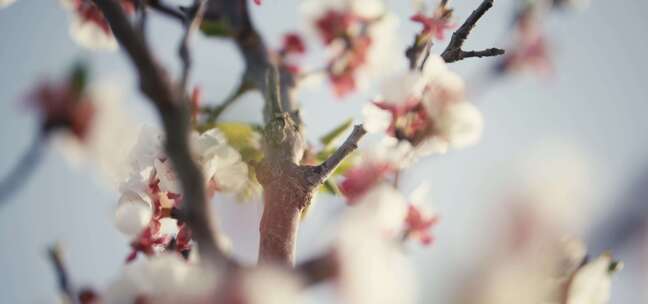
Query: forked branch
[{"x": 453, "y": 51}]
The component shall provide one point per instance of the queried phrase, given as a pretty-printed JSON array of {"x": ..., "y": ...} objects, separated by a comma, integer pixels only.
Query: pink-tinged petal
[
  {"x": 418, "y": 225},
  {"x": 361, "y": 179},
  {"x": 293, "y": 43}
]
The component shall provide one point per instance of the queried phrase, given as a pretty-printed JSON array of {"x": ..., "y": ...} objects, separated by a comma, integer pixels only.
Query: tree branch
[
  {"x": 197, "y": 12},
  {"x": 453, "y": 51},
  {"x": 167, "y": 10},
  {"x": 173, "y": 110},
  {"x": 56, "y": 257},
  {"x": 24, "y": 168},
  {"x": 324, "y": 170},
  {"x": 318, "y": 269}
]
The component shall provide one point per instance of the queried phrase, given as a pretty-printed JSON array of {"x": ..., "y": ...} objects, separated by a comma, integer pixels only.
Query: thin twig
[
  {"x": 318, "y": 269},
  {"x": 143, "y": 15},
  {"x": 174, "y": 112},
  {"x": 183, "y": 50},
  {"x": 167, "y": 10},
  {"x": 325, "y": 169},
  {"x": 453, "y": 51},
  {"x": 63, "y": 280},
  {"x": 24, "y": 168}
]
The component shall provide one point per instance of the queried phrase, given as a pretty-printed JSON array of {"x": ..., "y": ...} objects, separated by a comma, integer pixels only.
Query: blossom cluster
[
  {"x": 89, "y": 27},
  {"x": 151, "y": 196},
  {"x": 359, "y": 35},
  {"x": 530, "y": 50},
  {"x": 426, "y": 109}
]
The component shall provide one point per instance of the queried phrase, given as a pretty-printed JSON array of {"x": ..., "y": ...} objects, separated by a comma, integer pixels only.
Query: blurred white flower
[
  {"x": 109, "y": 139},
  {"x": 91, "y": 35},
  {"x": 88, "y": 26},
  {"x": 271, "y": 285},
  {"x": 220, "y": 162},
  {"x": 591, "y": 283},
  {"x": 420, "y": 216},
  {"x": 5, "y": 3},
  {"x": 384, "y": 206},
  {"x": 461, "y": 125},
  {"x": 167, "y": 176},
  {"x": 372, "y": 268},
  {"x": 166, "y": 278},
  {"x": 376, "y": 120},
  {"x": 361, "y": 40},
  {"x": 427, "y": 109},
  {"x": 133, "y": 214}
]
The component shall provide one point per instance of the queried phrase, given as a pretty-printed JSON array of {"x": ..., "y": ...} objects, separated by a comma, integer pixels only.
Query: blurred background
[{"x": 584, "y": 122}]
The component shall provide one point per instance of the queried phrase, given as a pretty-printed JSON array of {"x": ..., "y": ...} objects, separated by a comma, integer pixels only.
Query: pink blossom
[
  {"x": 293, "y": 44},
  {"x": 90, "y": 13},
  {"x": 418, "y": 224},
  {"x": 292, "y": 47},
  {"x": 435, "y": 25},
  {"x": 361, "y": 179},
  {"x": 65, "y": 106},
  {"x": 335, "y": 24}
]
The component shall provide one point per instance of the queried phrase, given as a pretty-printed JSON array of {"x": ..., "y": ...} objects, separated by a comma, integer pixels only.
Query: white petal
[
  {"x": 5, "y": 3},
  {"x": 461, "y": 124},
  {"x": 385, "y": 206},
  {"x": 232, "y": 178},
  {"x": 268, "y": 285},
  {"x": 166, "y": 174},
  {"x": 591, "y": 284},
  {"x": 376, "y": 120},
  {"x": 89, "y": 35},
  {"x": 133, "y": 214}
]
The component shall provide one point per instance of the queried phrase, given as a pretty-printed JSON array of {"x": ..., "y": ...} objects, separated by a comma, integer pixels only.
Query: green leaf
[
  {"x": 331, "y": 137},
  {"x": 330, "y": 187},
  {"x": 215, "y": 28},
  {"x": 243, "y": 137},
  {"x": 79, "y": 76},
  {"x": 252, "y": 187}
]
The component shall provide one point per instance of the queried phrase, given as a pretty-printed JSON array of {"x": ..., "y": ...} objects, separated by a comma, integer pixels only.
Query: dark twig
[
  {"x": 143, "y": 15},
  {"x": 165, "y": 9},
  {"x": 23, "y": 169},
  {"x": 63, "y": 280},
  {"x": 174, "y": 112},
  {"x": 453, "y": 51},
  {"x": 318, "y": 269},
  {"x": 183, "y": 51},
  {"x": 325, "y": 169}
]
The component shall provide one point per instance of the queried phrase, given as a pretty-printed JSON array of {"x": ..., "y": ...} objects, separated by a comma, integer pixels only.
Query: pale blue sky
[{"x": 596, "y": 104}]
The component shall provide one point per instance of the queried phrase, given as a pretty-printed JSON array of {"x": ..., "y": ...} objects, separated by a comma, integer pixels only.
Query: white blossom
[
  {"x": 5, "y": 3},
  {"x": 166, "y": 278},
  {"x": 133, "y": 214},
  {"x": 220, "y": 162},
  {"x": 165, "y": 172},
  {"x": 591, "y": 283},
  {"x": 271, "y": 285},
  {"x": 461, "y": 125},
  {"x": 110, "y": 136},
  {"x": 376, "y": 120},
  {"x": 90, "y": 35},
  {"x": 372, "y": 268},
  {"x": 384, "y": 206}
]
